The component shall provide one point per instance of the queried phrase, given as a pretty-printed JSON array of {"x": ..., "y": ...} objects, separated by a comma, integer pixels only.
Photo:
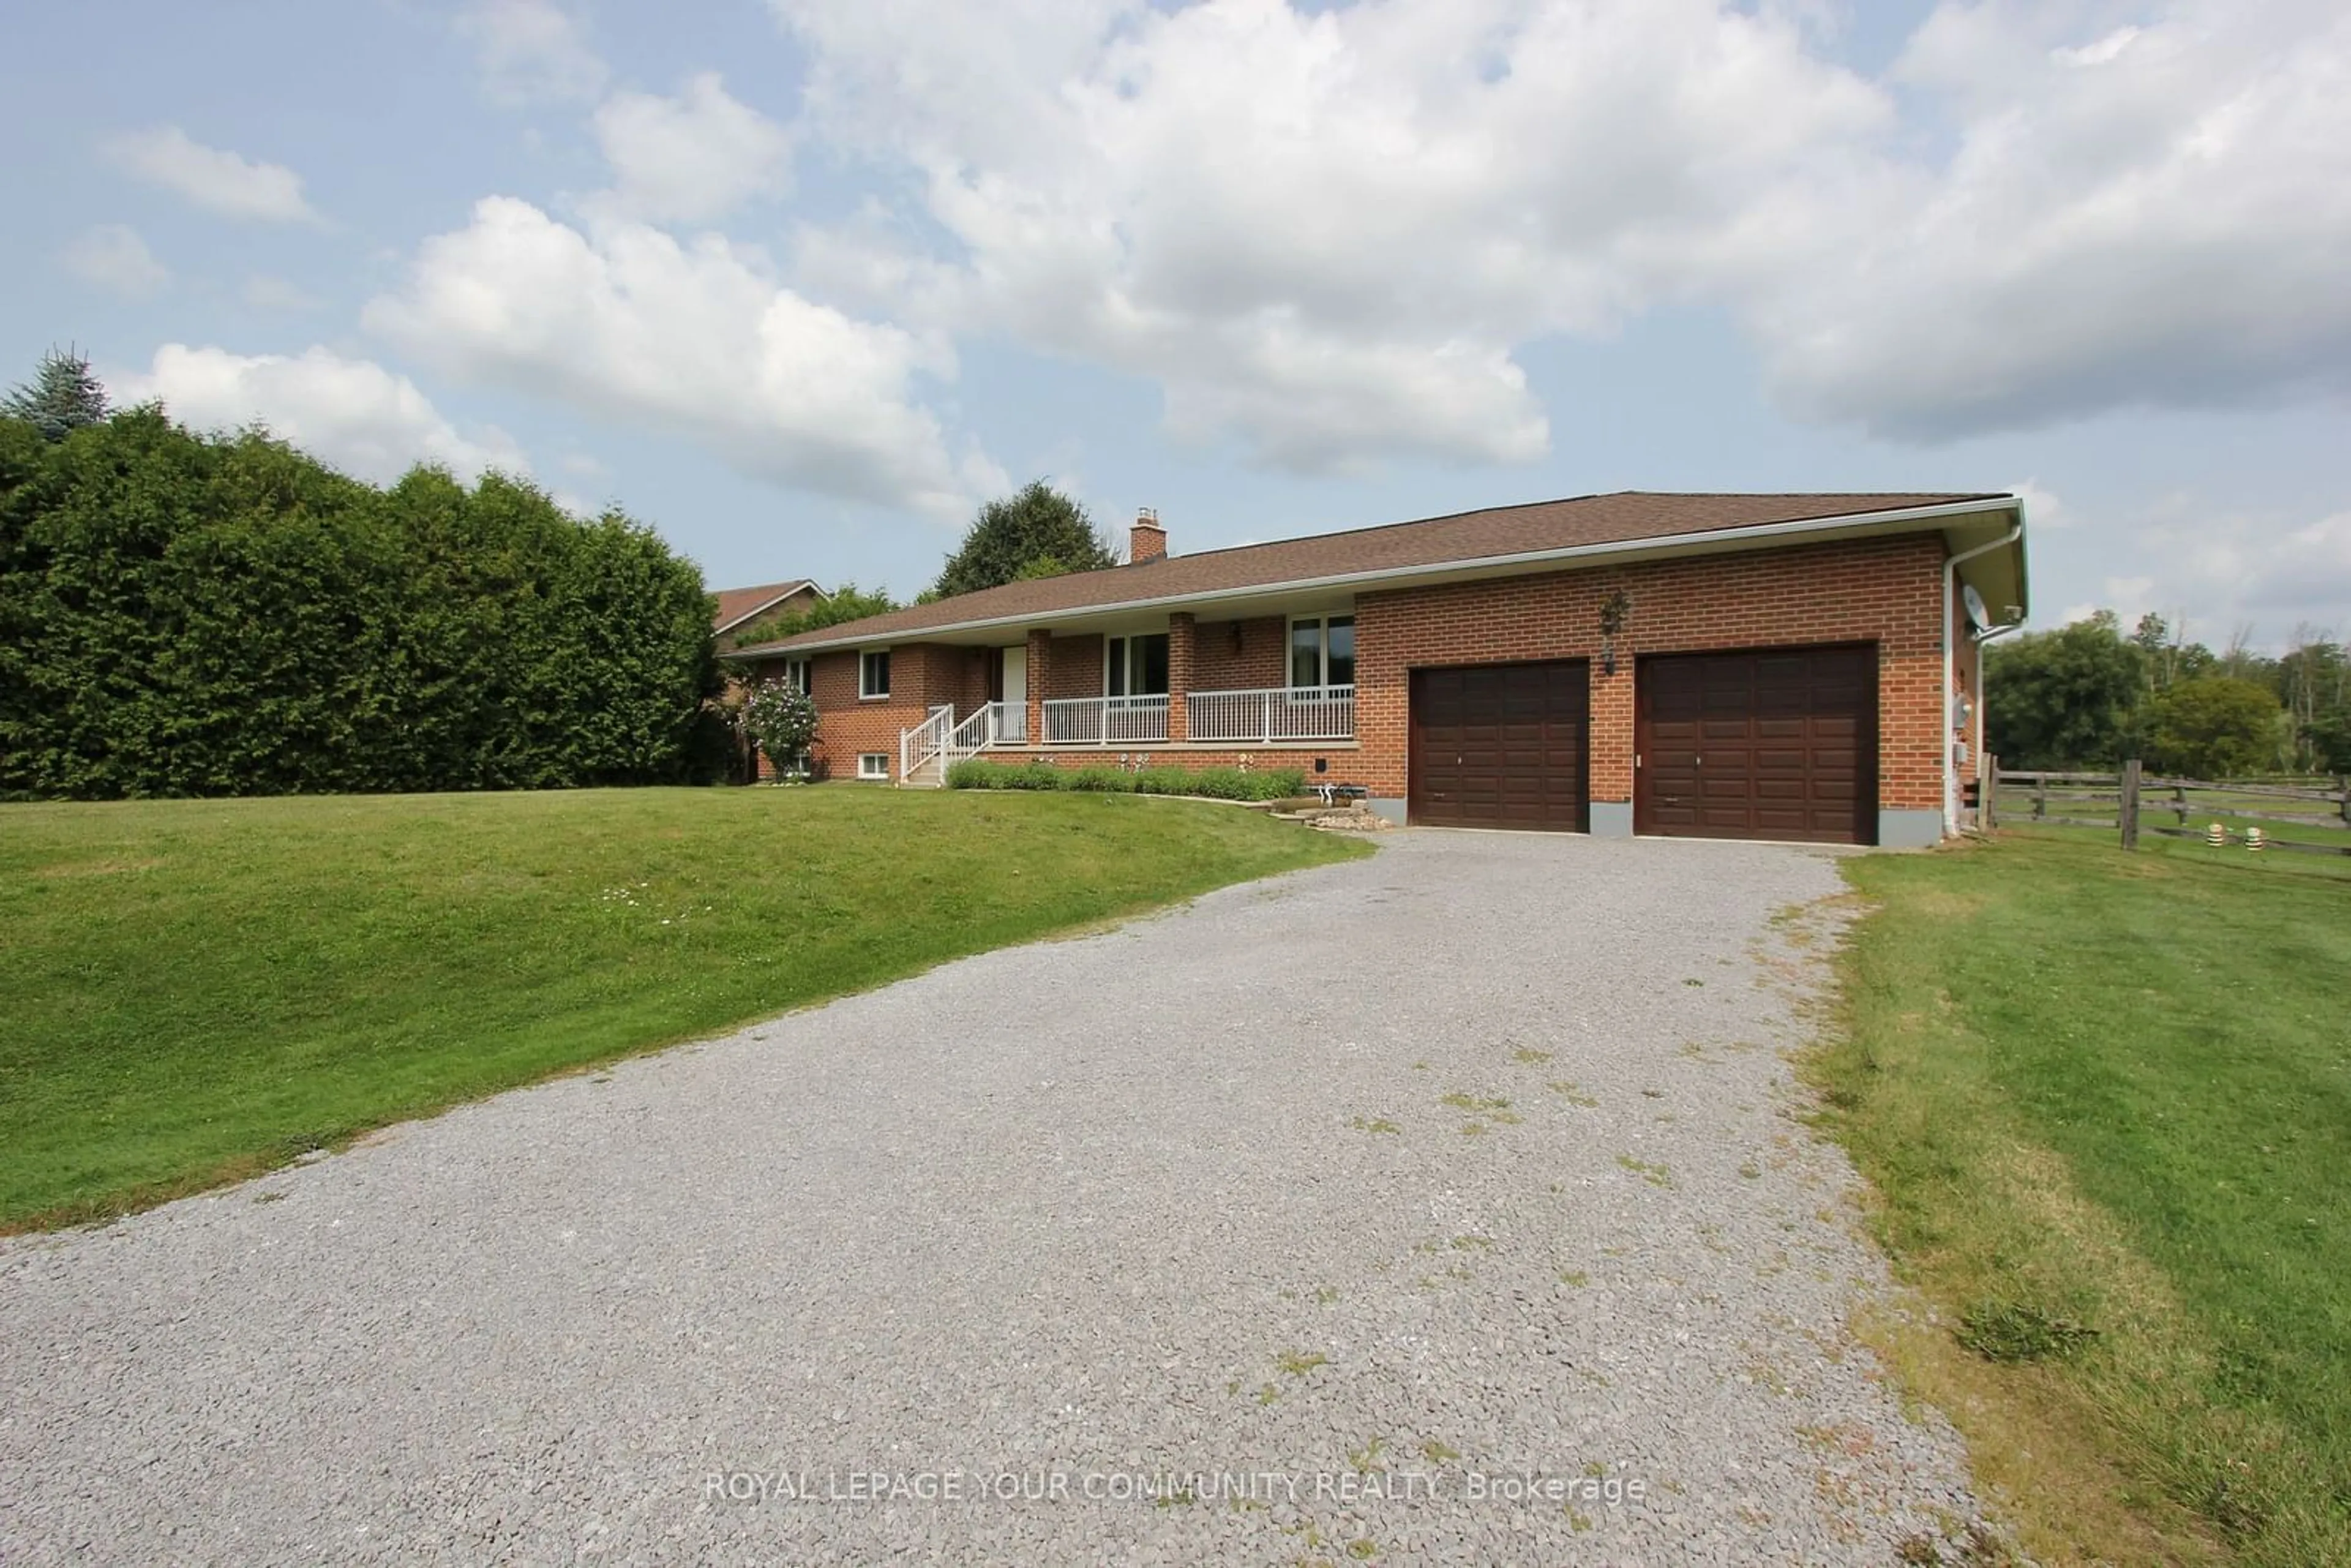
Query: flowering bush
[{"x": 781, "y": 722}]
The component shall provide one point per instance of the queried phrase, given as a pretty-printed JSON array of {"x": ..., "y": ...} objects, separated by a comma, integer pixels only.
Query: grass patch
[
  {"x": 2105, "y": 1103},
  {"x": 1655, "y": 1175},
  {"x": 200, "y": 990}
]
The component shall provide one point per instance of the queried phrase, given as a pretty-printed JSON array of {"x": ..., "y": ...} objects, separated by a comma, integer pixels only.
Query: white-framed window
[
  {"x": 873, "y": 672},
  {"x": 874, "y": 765},
  {"x": 1322, "y": 651},
  {"x": 799, "y": 675},
  {"x": 1135, "y": 665}
]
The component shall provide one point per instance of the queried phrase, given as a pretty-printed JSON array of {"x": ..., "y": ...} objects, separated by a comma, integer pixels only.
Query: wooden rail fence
[{"x": 2133, "y": 801}]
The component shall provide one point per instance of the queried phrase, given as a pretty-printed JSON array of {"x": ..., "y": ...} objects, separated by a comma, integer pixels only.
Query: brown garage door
[
  {"x": 1769, "y": 745},
  {"x": 1500, "y": 746}
]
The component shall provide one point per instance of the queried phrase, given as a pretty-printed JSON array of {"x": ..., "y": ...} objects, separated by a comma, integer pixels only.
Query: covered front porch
[{"x": 1145, "y": 688}]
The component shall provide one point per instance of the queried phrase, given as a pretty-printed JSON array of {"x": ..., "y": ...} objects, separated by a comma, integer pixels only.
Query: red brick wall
[
  {"x": 921, "y": 676},
  {"x": 1258, "y": 658},
  {"x": 1075, "y": 668},
  {"x": 1887, "y": 592}
]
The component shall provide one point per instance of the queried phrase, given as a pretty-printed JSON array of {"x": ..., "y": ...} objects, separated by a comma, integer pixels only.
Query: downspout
[
  {"x": 1983, "y": 703},
  {"x": 1951, "y": 605}
]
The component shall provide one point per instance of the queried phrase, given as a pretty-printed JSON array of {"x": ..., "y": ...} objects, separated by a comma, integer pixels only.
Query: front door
[{"x": 1012, "y": 691}]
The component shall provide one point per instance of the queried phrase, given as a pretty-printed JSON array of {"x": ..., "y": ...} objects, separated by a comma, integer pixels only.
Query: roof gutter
[
  {"x": 1406, "y": 574},
  {"x": 1950, "y": 592}
]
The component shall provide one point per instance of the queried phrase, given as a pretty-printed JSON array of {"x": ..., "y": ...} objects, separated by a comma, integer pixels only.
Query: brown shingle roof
[
  {"x": 1625, "y": 515},
  {"x": 737, "y": 604}
]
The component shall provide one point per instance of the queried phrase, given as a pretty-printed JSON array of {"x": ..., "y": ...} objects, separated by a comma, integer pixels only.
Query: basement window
[{"x": 874, "y": 765}]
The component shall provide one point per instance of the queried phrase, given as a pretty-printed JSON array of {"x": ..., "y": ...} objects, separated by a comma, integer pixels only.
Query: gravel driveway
[{"x": 1441, "y": 1206}]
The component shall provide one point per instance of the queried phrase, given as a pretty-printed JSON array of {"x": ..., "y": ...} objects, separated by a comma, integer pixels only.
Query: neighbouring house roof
[
  {"x": 1495, "y": 539},
  {"x": 737, "y": 605}
]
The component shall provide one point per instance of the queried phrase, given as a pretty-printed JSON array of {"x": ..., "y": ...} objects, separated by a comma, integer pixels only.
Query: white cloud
[
  {"x": 115, "y": 259},
  {"x": 2044, "y": 511},
  {"x": 2213, "y": 572},
  {"x": 531, "y": 51},
  {"x": 2305, "y": 569},
  {"x": 1325, "y": 235},
  {"x": 688, "y": 159},
  {"x": 1328, "y": 236},
  {"x": 2150, "y": 215},
  {"x": 212, "y": 178},
  {"x": 352, "y": 414},
  {"x": 697, "y": 338}
]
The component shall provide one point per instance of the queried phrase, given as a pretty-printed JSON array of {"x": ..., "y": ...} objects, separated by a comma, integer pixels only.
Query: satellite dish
[{"x": 1977, "y": 614}]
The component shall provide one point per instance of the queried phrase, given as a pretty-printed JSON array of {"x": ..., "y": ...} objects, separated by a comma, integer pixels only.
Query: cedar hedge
[{"x": 186, "y": 614}]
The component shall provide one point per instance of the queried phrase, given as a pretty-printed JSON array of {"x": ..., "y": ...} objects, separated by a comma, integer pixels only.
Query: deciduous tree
[
  {"x": 2063, "y": 698},
  {"x": 2214, "y": 729},
  {"x": 1036, "y": 531}
]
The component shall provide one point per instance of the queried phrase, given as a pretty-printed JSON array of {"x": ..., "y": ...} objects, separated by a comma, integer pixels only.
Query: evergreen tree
[
  {"x": 186, "y": 614},
  {"x": 1036, "y": 531},
  {"x": 61, "y": 397}
]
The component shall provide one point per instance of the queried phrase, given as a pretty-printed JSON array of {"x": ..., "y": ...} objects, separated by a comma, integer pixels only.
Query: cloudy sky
[{"x": 799, "y": 282}]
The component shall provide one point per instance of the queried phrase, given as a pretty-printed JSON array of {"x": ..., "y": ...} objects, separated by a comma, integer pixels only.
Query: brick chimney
[{"x": 1149, "y": 540}]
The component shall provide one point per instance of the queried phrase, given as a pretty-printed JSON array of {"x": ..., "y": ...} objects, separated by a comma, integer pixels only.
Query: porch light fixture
[{"x": 1612, "y": 611}]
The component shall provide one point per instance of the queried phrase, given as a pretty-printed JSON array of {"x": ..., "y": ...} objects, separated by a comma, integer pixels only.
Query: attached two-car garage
[{"x": 1747, "y": 744}]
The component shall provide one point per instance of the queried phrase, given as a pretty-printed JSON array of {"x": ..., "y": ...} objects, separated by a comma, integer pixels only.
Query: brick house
[
  {"x": 735, "y": 611},
  {"x": 1800, "y": 666}
]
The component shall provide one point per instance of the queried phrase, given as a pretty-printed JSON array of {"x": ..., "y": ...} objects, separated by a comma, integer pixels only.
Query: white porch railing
[
  {"x": 1105, "y": 721},
  {"x": 991, "y": 724},
  {"x": 1275, "y": 713},
  {"x": 919, "y": 746},
  {"x": 926, "y": 751}
]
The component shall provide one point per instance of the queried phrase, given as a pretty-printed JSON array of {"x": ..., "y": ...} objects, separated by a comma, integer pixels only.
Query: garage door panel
[
  {"x": 1774, "y": 743},
  {"x": 1500, "y": 745}
]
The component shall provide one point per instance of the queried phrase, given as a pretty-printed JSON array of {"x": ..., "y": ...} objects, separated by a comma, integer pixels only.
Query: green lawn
[
  {"x": 2103, "y": 1092},
  {"x": 196, "y": 991}
]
